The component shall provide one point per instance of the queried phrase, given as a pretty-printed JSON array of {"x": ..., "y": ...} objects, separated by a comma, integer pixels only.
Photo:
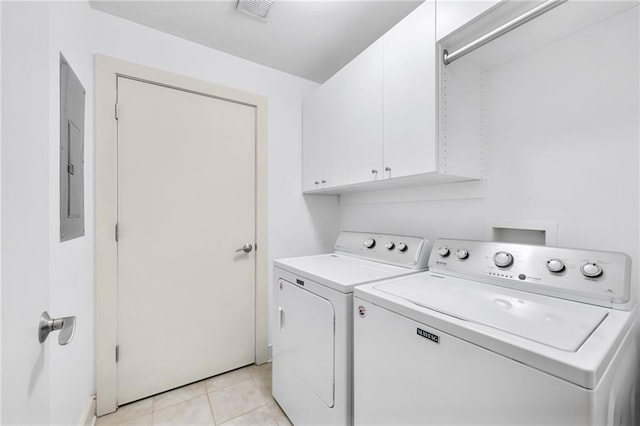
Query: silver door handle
[
  {"x": 66, "y": 325},
  {"x": 245, "y": 248}
]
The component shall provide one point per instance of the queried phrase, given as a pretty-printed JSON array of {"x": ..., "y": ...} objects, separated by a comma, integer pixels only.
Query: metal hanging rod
[{"x": 447, "y": 57}]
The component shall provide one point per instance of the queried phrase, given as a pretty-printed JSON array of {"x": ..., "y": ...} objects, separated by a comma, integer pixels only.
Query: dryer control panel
[
  {"x": 597, "y": 277},
  {"x": 399, "y": 250}
]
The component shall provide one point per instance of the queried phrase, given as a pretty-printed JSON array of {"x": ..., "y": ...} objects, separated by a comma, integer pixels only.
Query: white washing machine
[
  {"x": 312, "y": 341},
  {"x": 500, "y": 334}
]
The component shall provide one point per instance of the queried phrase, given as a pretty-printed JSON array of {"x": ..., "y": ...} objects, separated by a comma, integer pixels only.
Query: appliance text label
[{"x": 428, "y": 336}]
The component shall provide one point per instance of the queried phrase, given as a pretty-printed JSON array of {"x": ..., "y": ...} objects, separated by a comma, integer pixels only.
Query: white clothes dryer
[
  {"x": 501, "y": 334},
  {"x": 312, "y": 341}
]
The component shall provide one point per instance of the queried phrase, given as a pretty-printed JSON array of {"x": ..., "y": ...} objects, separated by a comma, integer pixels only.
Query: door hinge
[
  {"x": 117, "y": 353},
  {"x": 117, "y": 111},
  {"x": 117, "y": 233}
]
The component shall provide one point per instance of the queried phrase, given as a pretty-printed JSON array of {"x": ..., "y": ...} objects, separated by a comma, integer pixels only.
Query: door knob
[
  {"x": 245, "y": 248},
  {"x": 66, "y": 325}
]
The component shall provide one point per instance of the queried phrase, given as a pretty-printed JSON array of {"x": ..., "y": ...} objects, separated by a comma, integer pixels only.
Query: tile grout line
[
  {"x": 213, "y": 416},
  {"x": 250, "y": 411}
]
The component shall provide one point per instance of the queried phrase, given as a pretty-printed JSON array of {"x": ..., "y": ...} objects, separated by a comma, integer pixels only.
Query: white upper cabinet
[
  {"x": 363, "y": 119},
  {"x": 324, "y": 153},
  {"x": 453, "y": 14},
  {"x": 410, "y": 95},
  {"x": 374, "y": 124}
]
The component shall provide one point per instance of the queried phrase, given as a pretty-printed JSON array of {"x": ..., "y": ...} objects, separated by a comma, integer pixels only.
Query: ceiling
[{"x": 309, "y": 38}]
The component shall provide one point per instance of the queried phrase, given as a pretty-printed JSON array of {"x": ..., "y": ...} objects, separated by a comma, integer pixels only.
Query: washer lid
[{"x": 553, "y": 322}]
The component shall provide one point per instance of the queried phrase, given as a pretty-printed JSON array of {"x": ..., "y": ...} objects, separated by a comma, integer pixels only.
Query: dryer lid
[
  {"x": 557, "y": 323},
  {"x": 341, "y": 272}
]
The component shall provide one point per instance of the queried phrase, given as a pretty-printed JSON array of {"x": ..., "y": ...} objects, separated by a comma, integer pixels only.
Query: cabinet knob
[
  {"x": 387, "y": 169},
  {"x": 317, "y": 183},
  {"x": 374, "y": 171},
  {"x": 324, "y": 181}
]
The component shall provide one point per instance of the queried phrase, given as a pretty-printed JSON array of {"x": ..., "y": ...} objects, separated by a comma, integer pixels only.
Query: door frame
[{"x": 107, "y": 70}]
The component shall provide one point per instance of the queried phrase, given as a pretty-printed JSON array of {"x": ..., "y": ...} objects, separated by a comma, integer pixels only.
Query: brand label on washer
[
  {"x": 429, "y": 336},
  {"x": 299, "y": 282}
]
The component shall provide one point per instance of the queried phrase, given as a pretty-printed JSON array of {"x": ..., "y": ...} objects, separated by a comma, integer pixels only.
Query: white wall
[
  {"x": 72, "y": 262},
  {"x": 562, "y": 132},
  {"x": 295, "y": 225}
]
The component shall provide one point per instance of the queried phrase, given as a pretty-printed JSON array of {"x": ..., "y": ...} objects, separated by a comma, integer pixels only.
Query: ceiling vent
[{"x": 257, "y": 8}]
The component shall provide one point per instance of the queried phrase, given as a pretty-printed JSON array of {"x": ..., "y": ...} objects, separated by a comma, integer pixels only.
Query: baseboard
[{"x": 89, "y": 415}]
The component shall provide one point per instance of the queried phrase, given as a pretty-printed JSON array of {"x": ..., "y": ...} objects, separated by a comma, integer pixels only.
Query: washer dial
[
  {"x": 555, "y": 265},
  {"x": 591, "y": 270},
  {"x": 462, "y": 253},
  {"x": 444, "y": 251},
  {"x": 402, "y": 247},
  {"x": 390, "y": 245},
  {"x": 370, "y": 243},
  {"x": 502, "y": 259}
]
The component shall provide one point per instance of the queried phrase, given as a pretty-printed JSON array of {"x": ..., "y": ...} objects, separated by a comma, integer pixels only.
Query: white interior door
[
  {"x": 186, "y": 203},
  {"x": 25, "y": 201}
]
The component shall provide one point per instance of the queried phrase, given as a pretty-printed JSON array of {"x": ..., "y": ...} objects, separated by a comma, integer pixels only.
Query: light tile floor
[{"x": 238, "y": 398}]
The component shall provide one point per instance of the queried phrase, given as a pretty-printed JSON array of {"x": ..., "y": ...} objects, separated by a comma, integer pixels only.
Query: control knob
[
  {"x": 555, "y": 265},
  {"x": 591, "y": 270},
  {"x": 390, "y": 245},
  {"x": 444, "y": 251},
  {"x": 402, "y": 247},
  {"x": 370, "y": 243},
  {"x": 502, "y": 259},
  {"x": 462, "y": 253}
]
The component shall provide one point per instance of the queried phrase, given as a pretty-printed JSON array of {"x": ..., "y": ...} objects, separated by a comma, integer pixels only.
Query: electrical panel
[{"x": 72, "y": 99}]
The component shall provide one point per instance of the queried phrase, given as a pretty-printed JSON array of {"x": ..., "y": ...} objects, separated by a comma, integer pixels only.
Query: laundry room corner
[{"x": 562, "y": 149}]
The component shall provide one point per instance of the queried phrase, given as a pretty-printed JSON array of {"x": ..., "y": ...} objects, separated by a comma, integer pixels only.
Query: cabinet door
[
  {"x": 333, "y": 148},
  {"x": 453, "y": 14},
  {"x": 363, "y": 114},
  {"x": 410, "y": 94},
  {"x": 312, "y": 120},
  {"x": 324, "y": 162}
]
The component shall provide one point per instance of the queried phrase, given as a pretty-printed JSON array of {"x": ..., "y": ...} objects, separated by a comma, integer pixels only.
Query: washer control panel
[
  {"x": 400, "y": 250},
  {"x": 597, "y": 277}
]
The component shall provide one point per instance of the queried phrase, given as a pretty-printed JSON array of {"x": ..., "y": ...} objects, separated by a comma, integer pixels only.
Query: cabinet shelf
[{"x": 431, "y": 178}]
